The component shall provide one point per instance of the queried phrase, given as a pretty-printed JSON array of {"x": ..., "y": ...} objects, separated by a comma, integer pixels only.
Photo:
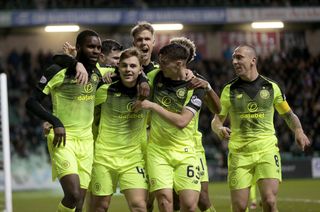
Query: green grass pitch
[{"x": 294, "y": 195}]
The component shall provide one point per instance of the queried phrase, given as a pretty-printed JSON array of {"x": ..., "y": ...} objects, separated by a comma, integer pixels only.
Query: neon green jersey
[
  {"x": 173, "y": 96},
  {"x": 72, "y": 103},
  {"x": 121, "y": 130},
  {"x": 251, "y": 110}
]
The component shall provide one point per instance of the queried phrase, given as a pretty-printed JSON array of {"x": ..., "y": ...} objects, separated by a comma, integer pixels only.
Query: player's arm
[
  {"x": 211, "y": 99},
  {"x": 67, "y": 61},
  {"x": 217, "y": 127},
  {"x": 180, "y": 120},
  {"x": 293, "y": 123},
  {"x": 33, "y": 104},
  {"x": 143, "y": 86}
]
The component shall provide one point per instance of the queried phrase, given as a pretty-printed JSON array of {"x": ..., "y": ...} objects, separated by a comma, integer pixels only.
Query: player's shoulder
[
  {"x": 51, "y": 71},
  {"x": 267, "y": 79},
  {"x": 150, "y": 67},
  {"x": 231, "y": 82}
]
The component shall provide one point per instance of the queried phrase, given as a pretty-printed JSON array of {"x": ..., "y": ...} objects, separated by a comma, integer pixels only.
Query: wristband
[{"x": 209, "y": 88}]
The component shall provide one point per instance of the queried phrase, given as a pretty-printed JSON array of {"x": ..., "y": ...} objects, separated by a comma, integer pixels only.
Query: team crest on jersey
[
  {"x": 94, "y": 77},
  {"x": 196, "y": 101},
  {"x": 264, "y": 94},
  {"x": 88, "y": 88},
  {"x": 181, "y": 92},
  {"x": 97, "y": 186},
  {"x": 43, "y": 80}
]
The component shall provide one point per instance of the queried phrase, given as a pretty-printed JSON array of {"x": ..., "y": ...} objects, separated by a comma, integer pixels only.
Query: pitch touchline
[{"x": 315, "y": 201}]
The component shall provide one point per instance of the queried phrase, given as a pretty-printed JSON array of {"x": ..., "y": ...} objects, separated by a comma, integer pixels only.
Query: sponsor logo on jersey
[
  {"x": 166, "y": 101},
  {"x": 88, "y": 88},
  {"x": 85, "y": 97},
  {"x": 252, "y": 115},
  {"x": 252, "y": 107},
  {"x": 129, "y": 106}
]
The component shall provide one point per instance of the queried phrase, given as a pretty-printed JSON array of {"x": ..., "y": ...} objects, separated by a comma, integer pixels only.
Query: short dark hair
[
  {"x": 110, "y": 45},
  {"x": 188, "y": 44},
  {"x": 174, "y": 52},
  {"x": 84, "y": 34}
]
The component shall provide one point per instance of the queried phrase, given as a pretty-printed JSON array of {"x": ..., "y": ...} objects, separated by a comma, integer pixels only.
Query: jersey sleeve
[
  {"x": 280, "y": 101},
  {"x": 225, "y": 101},
  {"x": 52, "y": 77},
  {"x": 196, "y": 100},
  {"x": 65, "y": 61}
]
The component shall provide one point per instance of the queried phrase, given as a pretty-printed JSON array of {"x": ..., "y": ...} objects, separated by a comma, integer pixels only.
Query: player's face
[
  {"x": 242, "y": 62},
  {"x": 129, "y": 70},
  {"x": 170, "y": 68},
  {"x": 111, "y": 59},
  {"x": 90, "y": 50},
  {"x": 144, "y": 41}
]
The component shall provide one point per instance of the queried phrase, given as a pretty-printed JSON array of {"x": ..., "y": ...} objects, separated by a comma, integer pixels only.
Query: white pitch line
[{"x": 313, "y": 201}]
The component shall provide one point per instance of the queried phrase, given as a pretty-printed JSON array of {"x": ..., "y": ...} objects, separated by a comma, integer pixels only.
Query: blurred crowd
[
  {"x": 297, "y": 72},
  {"x": 62, "y": 4}
]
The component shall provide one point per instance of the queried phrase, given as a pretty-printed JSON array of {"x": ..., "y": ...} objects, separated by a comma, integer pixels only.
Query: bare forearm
[
  {"x": 292, "y": 121},
  {"x": 213, "y": 102},
  {"x": 174, "y": 118}
]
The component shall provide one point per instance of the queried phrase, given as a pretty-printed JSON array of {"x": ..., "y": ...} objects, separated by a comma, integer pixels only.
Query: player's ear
[
  {"x": 77, "y": 47},
  {"x": 101, "y": 56},
  {"x": 179, "y": 63}
]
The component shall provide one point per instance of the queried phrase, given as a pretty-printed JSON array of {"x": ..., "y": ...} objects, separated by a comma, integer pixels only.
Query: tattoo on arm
[{"x": 292, "y": 120}]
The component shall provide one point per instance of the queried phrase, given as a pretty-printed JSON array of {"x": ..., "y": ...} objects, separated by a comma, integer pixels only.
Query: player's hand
[
  {"x": 198, "y": 83},
  {"x": 46, "y": 127},
  {"x": 59, "y": 136},
  {"x": 302, "y": 140},
  {"x": 139, "y": 105},
  {"x": 143, "y": 90},
  {"x": 189, "y": 75},
  {"x": 81, "y": 74},
  {"x": 69, "y": 49},
  {"x": 107, "y": 78},
  {"x": 222, "y": 132}
]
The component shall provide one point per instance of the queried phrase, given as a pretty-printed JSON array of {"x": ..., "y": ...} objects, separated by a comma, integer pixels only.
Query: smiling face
[
  {"x": 89, "y": 50},
  {"x": 144, "y": 41},
  {"x": 129, "y": 69}
]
